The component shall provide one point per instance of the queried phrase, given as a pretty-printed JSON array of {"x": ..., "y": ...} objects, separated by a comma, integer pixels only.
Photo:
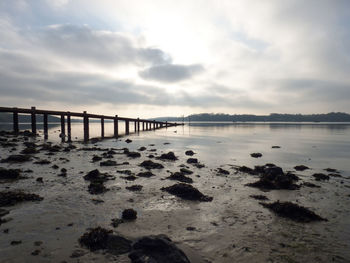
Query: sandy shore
[{"x": 233, "y": 227}]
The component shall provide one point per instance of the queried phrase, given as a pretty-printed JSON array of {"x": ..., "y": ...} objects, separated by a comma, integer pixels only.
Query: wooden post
[
  {"x": 69, "y": 127},
  {"x": 126, "y": 127},
  {"x": 116, "y": 128},
  {"x": 46, "y": 127},
  {"x": 135, "y": 126},
  {"x": 102, "y": 128},
  {"x": 33, "y": 120},
  {"x": 86, "y": 127},
  {"x": 63, "y": 129},
  {"x": 138, "y": 124},
  {"x": 15, "y": 121},
  {"x": 143, "y": 125}
]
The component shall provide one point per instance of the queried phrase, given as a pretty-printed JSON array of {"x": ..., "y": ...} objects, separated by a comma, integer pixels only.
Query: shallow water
[{"x": 231, "y": 227}]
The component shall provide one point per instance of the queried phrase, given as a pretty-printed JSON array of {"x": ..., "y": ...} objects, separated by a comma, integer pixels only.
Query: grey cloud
[{"x": 171, "y": 72}]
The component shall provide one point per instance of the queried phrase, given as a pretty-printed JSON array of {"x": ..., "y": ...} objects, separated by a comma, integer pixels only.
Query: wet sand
[{"x": 233, "y": 227}]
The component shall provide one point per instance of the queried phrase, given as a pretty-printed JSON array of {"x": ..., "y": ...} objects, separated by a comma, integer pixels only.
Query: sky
[{"x": 172, "y": 58}]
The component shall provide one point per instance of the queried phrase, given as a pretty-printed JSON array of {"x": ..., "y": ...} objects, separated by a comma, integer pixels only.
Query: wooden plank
[
  {"x": 33, "y": 117},
  {"x": 46, "y": 127}
]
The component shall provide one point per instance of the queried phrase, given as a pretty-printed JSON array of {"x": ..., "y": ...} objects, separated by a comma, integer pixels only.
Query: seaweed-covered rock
[
  {"x": 222, "y": 171},
  {"x": 189, "y": 153},
  {"x": 301, "y": 167},
  {"x": 156, "y": 249},
  {"x": 256, "y": 155},
  {"x": 320, "y": 176},
  {"x": 185, "y": 171},
  {"x": 129, "y": 177},
  {"x": 29, "y": 150},
  {"x": 129, "y": 214},
  {"x": 187, "y": 192},
  {"x": 308, "y": 184},
  {"x": 148, "y": 164},
  {"x": 108, "y": 163},
  {"x": 17, "y": 158},
  {"x": 293, "y": 212},
  {"x": 145, "y": 174},
  {"x": 96, "y": 175},
  {"x": 128, "y": 141},
  {"x": 11, "y": 174},
  {"x": 42, "y": 162},
  {"x": 134, "y": 188},
  {"x": 127, "y": 172},
  {"x": 168, "y": 156},
  {"x": 192, "y": 160},
  {"x": 331, "y": 170},
  {"x": 10, "y": 198},
  {"x": 96, "y": 158},
  {"x": 246, "y": 169},
  {"x": 97, "y": 187},
  {"x": 143, "y": 148},
  {"x": 133, "y": 154},
  {"x": 178, "y": 176},
  {"x": 270, "y": 181}
]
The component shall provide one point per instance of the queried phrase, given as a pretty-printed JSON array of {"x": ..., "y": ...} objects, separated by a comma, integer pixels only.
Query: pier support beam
[
  {"x": 86, "y": 127},
  {"x": 143, "y": 125},
  {"x": 102, "y": 128},
  {"x": 127, "y": 127},
  {"x": 63, "y": 129},
  {"x": 116, "y": 127},
  {"x": 33, "y": 117},
  {"x": 138, "y": 124},
  {"x": 46, "y": 127},
  {"x": 69, "y": 127},
  {"x": 135, "y": 126},
  {"x": 15, "y": 121}
]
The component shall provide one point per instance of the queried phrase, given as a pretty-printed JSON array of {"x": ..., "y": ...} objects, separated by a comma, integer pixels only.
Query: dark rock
[
  {"x": 129, "y": 178},
  {"x": 145, "y": 174},
  {"x": 95, "y": 239},
  {"x": 199, "y": 165},
  {"x": 134, "y": 188},
  {"x": 108, "y": 163},
  {"x": 320, "y": 176},
  {"x": 16, "y": 242},
  {"x": 274, "y": 180},
  {"x": 127, "y": 172},
  {"x": 50, "y": 148},
  {"x": 307, "y": 184},
  {"x": 180, "y": 177},
  {"x": 150, "y": 156},
  {"x": 111, "y": 152},
  {"x": 156, "y": 249},
  {"x": 168, "y": 156},
  {"x": 331, "y": 170},
  {"x": 64, "y": 170},
  {"x": 256, "y": 155},
  {"x": 334, "y": 175},
  {"x": 134, "y": 154},
  {"x": 189, "y": 153},
  {"x": 42, "y": 162},
  {"x": 259, "y": 197},
  {"x": 192, "y": 160},
  {"x": 116, "y": 222},
  {"x": 245, "y": 169},
  {"x": 148, "y": 164},
  {"x": 11, "y": 198},
  {"x": 29, "y": 150},
  {"x": 77, "y": 253},
  {"x": 129, "y": 214},
  {"x": 92, "y": 175},
  {"x": 36, "y": 252},
  {"x": 276, "y": 147},
  {"x": 186, "y": 191},
  {"x": 55, "y": 166},
  {"x": 118, "y": 245},
  {"x": 97, "y": 187},
  {"x": 11, "y": 174},
  {"x": 96, "y": 158},
  {"x": 128, "y": 141},
  {"x": 17, "y": 158},
  {"x": 190, "y": 228},
  {"x": 293, "y": 212},
  {"x": 141, "y": 148},
  {"x": 222, "y": 171},
  {"x": 166, "y": 143},
  {"x": 301, "y": 167},
  {"x": 186, "y": 171},
  {"x": 39, "y": 180}
]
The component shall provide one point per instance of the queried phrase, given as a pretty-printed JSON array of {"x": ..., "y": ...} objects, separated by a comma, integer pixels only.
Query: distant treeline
[{"x": 273, "y": 117}]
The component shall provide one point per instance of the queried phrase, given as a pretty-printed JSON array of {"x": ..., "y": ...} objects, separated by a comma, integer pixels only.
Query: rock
[
  {"x": 96, "y": 158},
  {"x": 156, "y": 249},
  {"x": 116, "y": 222},
  {"x": 11, "y": 198},
  {"x": 111, "y": 152},
  {"x": 134, "y": 188},
  {"x": 293, "y": 212},
  {"x": 36, "y": 252},
  {"x": 148, "y": 164},
  {"x": 29, "y": 150},
  {"x": 180, "y": 177},
  {"x": 11, "y": 174},
  {"x": 256, "y": 155},
  {"x": 276, "y": 147},
  {"x": 129, "y": 178},
  {"x": 320, "y": 176},
  {"x": 186, "y": 171},
  {"x": 192, "y": 160},
  {"x": 129, "y": 214},
  {"x": 128, "y": 141},
  {"x": 39, "y": 180},
  {"x": 145, "y": 174},
  {"x": 334, "y": 175},
  {"x": 127, "y": 172},
  {"x": 168, "y": 156},
  {"x": 259, "y": 197},
  {"x": 166, "y": 143},
  {"x": 55, "y": 167},
  {"x": 189, "y": 153},
  {"x": 17, "y": 158},
  {"x": 307, "y": 184},
  {"x": 93, "y": 175},
  {"x": 77, "y": 253},
  {"x": 42, "y": 162},
  {"x": 245, "y": 169},
  {"x": 134, "y": 154},
  {"x": 301, "y": 167},
  {"x": 187, "y": 192},
  {"x": 331, "y": 170},
  {"x": 199, "y": 165},
  {"x": 142, "y": 149},
  {"x": 222, "y": 171},
  {"x": 97, "y": 187},
  {"x": 16, "y": 242},
  {"x": 108, "y": 163}
]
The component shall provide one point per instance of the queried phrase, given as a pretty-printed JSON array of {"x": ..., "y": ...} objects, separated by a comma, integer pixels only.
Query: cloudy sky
[{"x": 172, "y": 58}]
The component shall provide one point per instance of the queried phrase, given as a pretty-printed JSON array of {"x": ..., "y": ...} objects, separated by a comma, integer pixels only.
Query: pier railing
[{"x": 66, "y": 118}]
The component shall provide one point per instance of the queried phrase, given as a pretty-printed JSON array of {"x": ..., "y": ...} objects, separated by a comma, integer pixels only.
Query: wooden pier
[{"x": 65, "y": 117}]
